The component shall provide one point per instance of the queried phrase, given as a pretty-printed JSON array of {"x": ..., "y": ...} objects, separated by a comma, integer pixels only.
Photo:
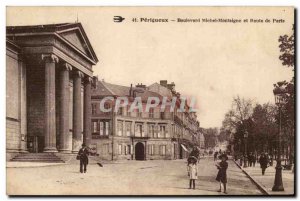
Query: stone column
[
  {"x": 77, "y": 116},
  {"x": 64, "y": 108},
  {"x": 87, "y": 136},
  {"x": 50, "y": 127}
]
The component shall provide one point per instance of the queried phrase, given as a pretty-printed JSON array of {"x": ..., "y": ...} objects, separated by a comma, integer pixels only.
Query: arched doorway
[{"x": 139, "y": 151}]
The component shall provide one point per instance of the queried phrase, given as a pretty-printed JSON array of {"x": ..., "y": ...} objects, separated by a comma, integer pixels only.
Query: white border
[{"x": 5, "y": 3}]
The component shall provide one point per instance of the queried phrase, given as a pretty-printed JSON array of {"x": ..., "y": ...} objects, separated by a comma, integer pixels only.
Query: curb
[{"x": 259, "y": 186}]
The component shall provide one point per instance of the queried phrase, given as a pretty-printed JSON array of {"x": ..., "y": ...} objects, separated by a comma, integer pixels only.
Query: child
[
  {"x": 192, "y": 171},
  {"x": 222, "y": 175}
]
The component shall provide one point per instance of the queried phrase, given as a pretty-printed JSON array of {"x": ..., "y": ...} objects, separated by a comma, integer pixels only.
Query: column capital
[
  {"x": 51, "y": 58},
  {"x": 88, "y": 80},
  {"x": 67, "y": 66},
  {"x": 78, "y": 73}
]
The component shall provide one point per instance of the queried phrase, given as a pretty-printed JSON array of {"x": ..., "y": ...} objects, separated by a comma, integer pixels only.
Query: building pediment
[
  {"x": 76, "y": 36},
  {"x": 70, "y": 34}
]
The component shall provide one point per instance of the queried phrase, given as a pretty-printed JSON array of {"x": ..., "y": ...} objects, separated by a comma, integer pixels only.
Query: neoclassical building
[{"x": 48, "y": 83}]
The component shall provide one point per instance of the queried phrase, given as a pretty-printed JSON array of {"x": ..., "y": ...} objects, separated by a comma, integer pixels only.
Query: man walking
[
  {"x": 83, "y": 157},
  {"x": 263, "y": 160}
]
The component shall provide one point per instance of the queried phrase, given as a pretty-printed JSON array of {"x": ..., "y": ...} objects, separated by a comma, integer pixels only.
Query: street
[{"x": 161, "y": 177}]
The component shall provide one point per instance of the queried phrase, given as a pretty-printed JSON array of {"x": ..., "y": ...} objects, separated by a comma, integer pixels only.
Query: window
[
  {"x": 106, "y": 106},
  {"x": 151, "y": 130},
  {"x": 139, "y": 113},
  {"x": 163, "y": 150},
  {"x": 129, "y": 149},
  {"x": 151, "y": 149},
  {"x": 120, "y": 111},
  {"x": 128, "y": 111},
  {"x": 120, "y": 149},
  {"x": 139, "y": 130},
  {"x": 162, "y": 131},
  {"x": 151, "y": 113},
  {"x": 94, "y": 108},
  {"x": 106, "y": 128},
  {"x": 120, "y": 128},
  {"x": 105, "y": 149},
  {"x": 155, "y": 131},
  {"x": 126, "y": 150},
  {"x": 101, "y": 128},
  {"x": 162, "y": 115},
  {"x": 128, "y": 128},
  {"x": 95, "y": 127}
]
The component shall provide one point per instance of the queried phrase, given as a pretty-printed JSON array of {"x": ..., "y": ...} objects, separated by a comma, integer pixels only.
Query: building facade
[
  {"x": 134, "y": 135},
  {"x": 185, "y": 124},
  {"x": 48, "y": 84},
  {"x": 125, "y": 134}
]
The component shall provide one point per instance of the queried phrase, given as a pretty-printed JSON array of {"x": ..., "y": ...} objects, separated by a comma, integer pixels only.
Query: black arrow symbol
[{"x": 118, "y": 19}]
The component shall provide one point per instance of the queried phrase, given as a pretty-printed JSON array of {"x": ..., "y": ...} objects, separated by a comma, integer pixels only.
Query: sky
[{"x": 212, "y": 62}]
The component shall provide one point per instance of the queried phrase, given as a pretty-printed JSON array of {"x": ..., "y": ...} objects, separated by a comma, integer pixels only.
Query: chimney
[
  {"x": 140, "y": 86},
  {"x": 171, "y": 86},
  {"x": 164, "y": 83},
  {"x": 130, "y": 91}
]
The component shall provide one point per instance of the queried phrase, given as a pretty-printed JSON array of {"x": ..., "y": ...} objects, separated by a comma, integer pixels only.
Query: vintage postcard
[{"x": 180, "y": 101}]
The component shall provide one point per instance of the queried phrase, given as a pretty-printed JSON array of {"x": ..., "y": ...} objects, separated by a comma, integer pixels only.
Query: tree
[
  {"x": 210, "y": 136},
  {"x": 264, "y": 128},
  {"x": 236, "y": 121},
  {"x": 287, "y": 48}
]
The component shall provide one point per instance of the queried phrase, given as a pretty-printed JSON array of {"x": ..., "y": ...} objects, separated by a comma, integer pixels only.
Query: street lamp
[
  {"x": 279, "y": 93},
  {"x": 245, "y": 157}
]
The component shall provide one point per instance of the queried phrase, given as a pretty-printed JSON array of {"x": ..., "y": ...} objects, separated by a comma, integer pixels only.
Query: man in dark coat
[
  {"x": 263, "y": 160},
  {"x": 83, "y": 157},
  {"x": 222, "y": 173}
]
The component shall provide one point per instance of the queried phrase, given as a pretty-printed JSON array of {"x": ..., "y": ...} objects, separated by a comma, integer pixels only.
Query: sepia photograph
[{"x": 150, "y": 101}]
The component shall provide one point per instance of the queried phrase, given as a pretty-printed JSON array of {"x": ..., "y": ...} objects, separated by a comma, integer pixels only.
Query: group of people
[
  {"x": 264, "y": 161},
  {"x": 251, "y": 159},
  {"x": 222, "y": 166}
]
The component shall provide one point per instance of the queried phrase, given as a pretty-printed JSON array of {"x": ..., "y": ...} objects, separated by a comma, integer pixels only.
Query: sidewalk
[{"x": 266, "y": 181}]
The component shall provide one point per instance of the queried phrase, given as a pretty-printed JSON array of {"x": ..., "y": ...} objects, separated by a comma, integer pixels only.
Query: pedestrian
[
  {"x": 215, "y": 155},
  {"x": 222, "y": 173},
  {"x": 253, "y": 159},
  {"x": 250, "y": 160},
  {"x": 241, "y": 160},
  {"x": 83, "y": 157},
  {"x": 192, "y": 169},
  {"x": 263, "y": 160}
]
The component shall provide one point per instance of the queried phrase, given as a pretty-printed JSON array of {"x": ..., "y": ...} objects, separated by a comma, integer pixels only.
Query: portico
[{"x": 58, "y": 61}]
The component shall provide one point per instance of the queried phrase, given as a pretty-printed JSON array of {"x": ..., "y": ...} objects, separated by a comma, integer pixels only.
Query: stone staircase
[{"x": 37, "y": 157}]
